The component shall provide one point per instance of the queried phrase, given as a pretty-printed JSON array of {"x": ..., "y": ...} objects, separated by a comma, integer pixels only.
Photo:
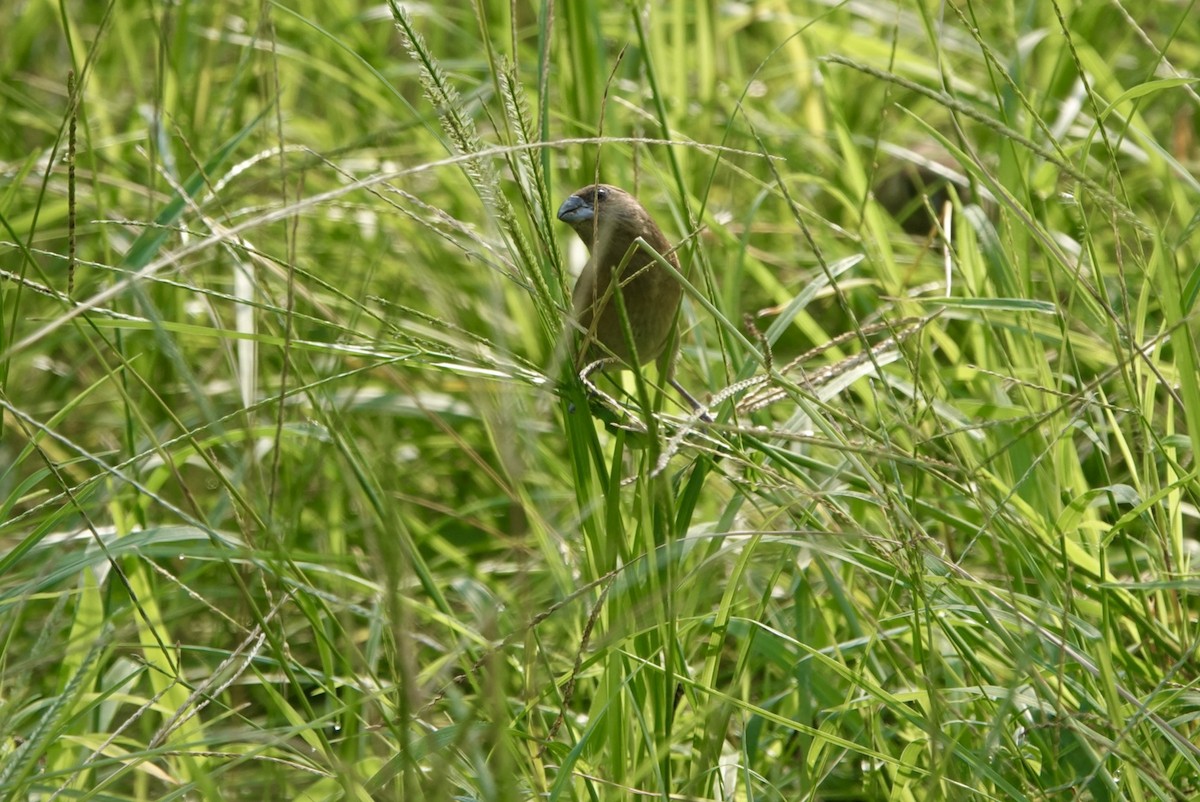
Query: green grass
[{"x": 299, "y": 501}]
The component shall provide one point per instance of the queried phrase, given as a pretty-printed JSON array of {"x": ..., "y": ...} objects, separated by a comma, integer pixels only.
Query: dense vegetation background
[{"x": 298, "y": 501}]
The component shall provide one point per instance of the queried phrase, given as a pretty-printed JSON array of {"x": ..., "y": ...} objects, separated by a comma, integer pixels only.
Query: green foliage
[{"x": 301, "y": 497}]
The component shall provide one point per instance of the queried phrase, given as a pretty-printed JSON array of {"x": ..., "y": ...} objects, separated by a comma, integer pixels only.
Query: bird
[
  {"x": 916, "y": 189},
  {"x": 608, "y": 220}
]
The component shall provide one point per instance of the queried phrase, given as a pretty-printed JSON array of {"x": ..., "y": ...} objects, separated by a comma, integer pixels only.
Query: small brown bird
[
  {"x": 608, "y": 220},
  {"x": 916, "y": 190}
]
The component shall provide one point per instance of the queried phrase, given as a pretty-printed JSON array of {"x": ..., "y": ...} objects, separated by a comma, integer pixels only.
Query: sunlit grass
[{"x": 301, "y": 500}]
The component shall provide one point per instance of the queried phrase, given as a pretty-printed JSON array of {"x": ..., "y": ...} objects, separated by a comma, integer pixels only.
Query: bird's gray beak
[{"x": 575, "y": 210}]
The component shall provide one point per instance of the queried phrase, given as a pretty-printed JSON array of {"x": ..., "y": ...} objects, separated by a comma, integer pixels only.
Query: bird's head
[{"x": 600, "y": 206}]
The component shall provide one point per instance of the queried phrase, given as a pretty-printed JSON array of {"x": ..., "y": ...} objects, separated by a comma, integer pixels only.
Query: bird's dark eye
[{"x": 601, "y": 193}]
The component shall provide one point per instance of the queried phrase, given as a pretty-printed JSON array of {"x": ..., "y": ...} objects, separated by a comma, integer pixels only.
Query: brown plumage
[
  {"x": 608, "y": 220},
  {"x": 916, "y": 190}
]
